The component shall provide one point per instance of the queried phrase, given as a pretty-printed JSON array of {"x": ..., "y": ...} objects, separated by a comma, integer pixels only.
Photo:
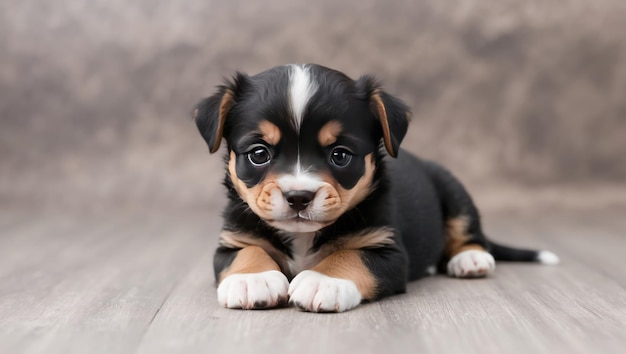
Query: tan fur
[
  {"x": 347, "y": 264},
  {"x": 457, "y": 237},
  {"x": 240, "y": 187},
  {"x": 232, "y": 239},
  {"x": 251, "y": 259},
  {"x": 378, "y": 107},
  {"x": 469, "y": 247},
  {"x": 227, "y": 103},
  {"x": 329, "y": 133},
  {"x": 270, "y": 132},
  {"x": 340, "y": 200},
  {"x": 363, "y": 187},
  {"x": 368, "y": 238},
  {"x": 257, "y": 197}
]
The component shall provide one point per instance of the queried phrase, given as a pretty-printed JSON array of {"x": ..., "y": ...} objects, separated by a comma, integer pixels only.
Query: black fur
[{"x": 413, "y": 197}]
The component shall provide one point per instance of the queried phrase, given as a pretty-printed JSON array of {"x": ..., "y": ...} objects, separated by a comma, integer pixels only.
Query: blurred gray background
[{"x": 524, "y": 100}]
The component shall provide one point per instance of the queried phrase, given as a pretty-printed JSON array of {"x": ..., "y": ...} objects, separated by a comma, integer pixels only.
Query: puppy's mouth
[
  {"x": 300, "y": 217},
  {"x": 299, "y": 223},
  {"x": 296, "y": 217}
]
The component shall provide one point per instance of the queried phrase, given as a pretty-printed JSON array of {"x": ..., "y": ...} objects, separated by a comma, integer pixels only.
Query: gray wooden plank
[
  {"x": 45, "y": 239},
  {"x": 436, "y": 315},
  {"x": 99, "y": 293},
  {"x": 597, "y": 240},
  {"x": 144, "y": 284},
  {"x": 523, "y": 308}
]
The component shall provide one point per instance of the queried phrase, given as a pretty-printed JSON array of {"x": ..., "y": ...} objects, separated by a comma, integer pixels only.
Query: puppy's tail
[{"x": 505, "y": 253}]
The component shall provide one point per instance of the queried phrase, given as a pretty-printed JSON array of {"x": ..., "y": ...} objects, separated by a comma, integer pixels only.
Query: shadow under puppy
[{"x": 317, "y": 213}]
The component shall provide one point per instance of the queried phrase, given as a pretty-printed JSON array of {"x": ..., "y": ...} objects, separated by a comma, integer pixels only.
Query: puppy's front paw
[
  {"x": 316, "y": 292},
  {"x": 471, "y": 264},
  {"x": 253, "y": 290}
]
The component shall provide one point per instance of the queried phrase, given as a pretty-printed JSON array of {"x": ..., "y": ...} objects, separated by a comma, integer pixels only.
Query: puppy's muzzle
[{"x": 300, "y": 199}]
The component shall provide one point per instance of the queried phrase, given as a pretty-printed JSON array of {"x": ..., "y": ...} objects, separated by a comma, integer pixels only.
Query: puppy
[{"x": 318, "y": 215}]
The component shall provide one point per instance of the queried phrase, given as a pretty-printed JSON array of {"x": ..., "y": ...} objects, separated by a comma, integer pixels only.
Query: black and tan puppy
[{"x": 317, "y": 214}]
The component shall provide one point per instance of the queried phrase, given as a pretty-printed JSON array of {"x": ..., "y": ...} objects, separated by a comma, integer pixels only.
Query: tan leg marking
[
  {"x": 232, "y": 239},
  {"x": 368, "y": 238},
  {"x": 347, "y": 264},
  {"x": 457, "y": 237},
  {"x": 251, "y": 259}
]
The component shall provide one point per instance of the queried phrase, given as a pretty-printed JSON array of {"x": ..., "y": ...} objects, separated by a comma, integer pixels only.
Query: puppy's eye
[
  {"x": 259, "y": 155},
  {"x": 340, "y": 157}
]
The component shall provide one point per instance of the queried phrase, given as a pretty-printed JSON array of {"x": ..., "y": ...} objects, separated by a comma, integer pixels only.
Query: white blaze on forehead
[{"x": 301, "y": 88}]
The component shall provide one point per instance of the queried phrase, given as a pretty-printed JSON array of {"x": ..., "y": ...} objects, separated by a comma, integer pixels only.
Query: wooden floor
[{"x": 141, "y": 282}]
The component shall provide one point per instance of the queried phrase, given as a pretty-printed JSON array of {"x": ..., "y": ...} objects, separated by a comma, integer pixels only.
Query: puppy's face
[{"x": 302, "y": 141}]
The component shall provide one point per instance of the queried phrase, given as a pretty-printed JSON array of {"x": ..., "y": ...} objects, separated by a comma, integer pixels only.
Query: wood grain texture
[{"x": 141, "y": 282}]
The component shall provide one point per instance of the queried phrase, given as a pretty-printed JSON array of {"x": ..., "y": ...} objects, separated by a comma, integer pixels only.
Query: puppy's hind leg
[
  {"x": 466, "y": 254},
  {"x": 467, "y": 249}
]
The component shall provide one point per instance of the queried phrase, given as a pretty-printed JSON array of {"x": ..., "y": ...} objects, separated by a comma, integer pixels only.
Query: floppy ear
[
  {"x": 392, "y": 113},
  {"x": 211, "y": 113}
]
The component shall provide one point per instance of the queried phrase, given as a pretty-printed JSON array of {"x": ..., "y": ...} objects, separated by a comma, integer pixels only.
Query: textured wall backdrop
[{"x": 95, "y": 95}]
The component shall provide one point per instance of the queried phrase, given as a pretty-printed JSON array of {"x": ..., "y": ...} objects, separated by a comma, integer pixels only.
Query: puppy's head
[{"x": 303, "y": 141}]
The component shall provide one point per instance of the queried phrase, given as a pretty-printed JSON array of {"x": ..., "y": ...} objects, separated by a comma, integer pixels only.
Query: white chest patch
[
  {"x": 302, "y": 258},
  {"x": 301, "y": 88}
]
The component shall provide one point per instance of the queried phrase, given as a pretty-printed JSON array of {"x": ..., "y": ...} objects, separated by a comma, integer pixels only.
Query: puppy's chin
[{"x": 297, "y": 225}]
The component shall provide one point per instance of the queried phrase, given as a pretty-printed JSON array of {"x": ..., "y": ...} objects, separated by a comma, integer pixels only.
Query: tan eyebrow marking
[
  {"x": 329, "y": 133},
  {"x": 270, "y": 132}
]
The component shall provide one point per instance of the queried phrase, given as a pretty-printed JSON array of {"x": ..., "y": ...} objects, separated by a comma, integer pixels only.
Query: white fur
[
  {"x": 471, "y": 264},
  {"x": 548, "y": 258},
  {"x": 301, "y": 88},
  {"x": 299, "y": 182},
  {"x": 316, "y": 292},
  {"x": 254, "y": 290},
  {"x": 296, "y": 226},
  {"x": 282, "y": 213},
  {"x": 301, "y": 243},
  {"x": 280, "y": 208}
]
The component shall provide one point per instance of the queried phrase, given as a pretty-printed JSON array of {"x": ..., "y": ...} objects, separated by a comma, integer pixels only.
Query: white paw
[
  {"x": 471, "y": 264},
  {"x": 316, "y": 292},
  {"x": 253, "y": 290}
]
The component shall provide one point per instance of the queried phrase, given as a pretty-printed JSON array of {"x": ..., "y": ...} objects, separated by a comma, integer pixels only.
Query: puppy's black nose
[{"x": 299, "y": 200}]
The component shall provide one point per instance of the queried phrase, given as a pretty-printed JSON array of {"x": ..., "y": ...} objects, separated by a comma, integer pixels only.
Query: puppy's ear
[
  {"x": 392, "y": 113},
  {"x": 211, "y": 113}
]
